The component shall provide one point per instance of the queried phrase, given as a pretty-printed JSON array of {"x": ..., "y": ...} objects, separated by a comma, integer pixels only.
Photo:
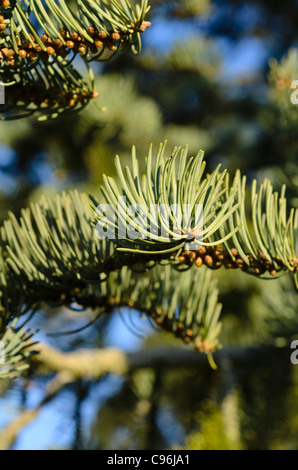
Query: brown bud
[
  {"x": 49, "y": 102},
  {"x": 208, "y": 259},
  {"x": 227, "y": 264},
  {"x": 199, "y": 262},
  {"x": 44, "y": 38},
  {"x": 216, "y": 264},
  {"x": 82, "y": 49},
  {"x": 202, "y": 250},
  {"x": 261, "y": 255},
  {"x": 102, "y": 34},
  {"x": 22, "y": 53},
  {"x": 50, "y": 50},
  {"x": 70, "y": 44},
  {"x": 116, "y": 36},
  {"x": 8, "y": 53},
  {"x": 144, "y": 26},
  {"x": 98, "y": 43},
  {"x": 33, "y": 55},
  {"x": 240, "y": 262},
  {"x": 58, "y": 43},
  {"x": 27, "y": 44},
  {"x": 91, "y": 30},
  {"x": 63, "y": 32}
]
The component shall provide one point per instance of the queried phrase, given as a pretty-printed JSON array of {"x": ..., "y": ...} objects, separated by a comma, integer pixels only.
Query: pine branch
[
  {"x": 40, "y": 40},
  {"x": 16, "y": 348},
  {"x": 49, "y": 89},
  {"x": 80, "y": 27},
  {"x": 220, "y": 232},
  {"x": 183, "y": 304},
  {"x": 53, "y": 253}
]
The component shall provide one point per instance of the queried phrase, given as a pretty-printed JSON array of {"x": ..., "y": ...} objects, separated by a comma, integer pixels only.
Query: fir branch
[
  {"x": 16, "y": 348},
  {"x": 49, "y": 89},
  {"x": 55, "y": 245},
  {"x": 88, "y": 28},
  {"x": 35, "y": 66},
  {"x": 225, "y": 239},
  {"x": 53, "y": 254}
]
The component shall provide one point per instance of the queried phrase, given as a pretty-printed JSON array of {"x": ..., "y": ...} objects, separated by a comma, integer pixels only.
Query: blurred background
[{"x": 215, "y": 75}]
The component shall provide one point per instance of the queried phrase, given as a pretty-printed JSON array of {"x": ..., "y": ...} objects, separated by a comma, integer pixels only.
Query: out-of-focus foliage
[
  {"x": 199, "y": 56},
  {"x": 185, "y": 8},
  {"x": 213, "y": 433},
  {"x": 40, "y": 42}
]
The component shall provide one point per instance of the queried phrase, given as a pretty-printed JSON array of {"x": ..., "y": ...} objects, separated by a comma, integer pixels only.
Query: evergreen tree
[{"x": 177, "y": 266}]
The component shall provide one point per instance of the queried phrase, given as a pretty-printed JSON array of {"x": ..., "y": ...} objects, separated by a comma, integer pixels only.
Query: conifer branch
[
  {"x": 184, "y": 304},
  {"x": 225, "y": 239},
  {"x": 40, "y": 40},
  {"x": 53, "y": 253},
  {"x": 16, "y": 348}
]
